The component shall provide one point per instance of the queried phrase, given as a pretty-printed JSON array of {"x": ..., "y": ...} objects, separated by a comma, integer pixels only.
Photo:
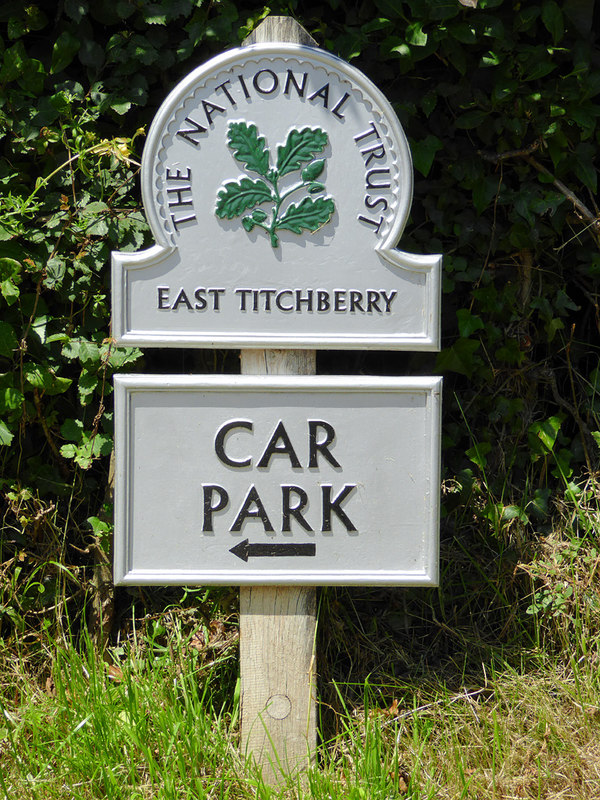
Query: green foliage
[
  {"x": 300, "y": 148},
  {"x": 499, "y": 103}
]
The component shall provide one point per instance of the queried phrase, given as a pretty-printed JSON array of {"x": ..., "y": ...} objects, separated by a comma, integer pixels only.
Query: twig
[
  {"x": 496, "y": 158},
  {"x": 51, "y": 443},
  {"x": 581, "y": 207},
  {"x": 463, "y": 696},
  {"x": 525, "y": 154}
]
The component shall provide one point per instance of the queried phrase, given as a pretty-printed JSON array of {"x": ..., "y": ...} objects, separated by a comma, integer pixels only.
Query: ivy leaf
[
  {"x": 301, "y": 146},
  {"x": 478, "y": 454},
  {"x": 468, "y": 323},
  {"x": 541, "y": 436},
  {"x": 470, "y": 119},
  {"x": 9, "y": 277},
  {"x": 64, "y": 51},
  {"x": 55, "y": 272},
  {"x": 552, "y": 18},
  {"x": 248, "y": 147},
  {"x": 458, "y": 358},
  {"x": 6, "y": 436},
  {"x": 237, "y": 196},
  {"x": 423, "y": 153},
  {"x": 76, "y": 9},
  {"x": 8, "y": 339},
  {"x": 309, "y": 215},
  {"x": 11, "y": 398},
  {"x": 14, "y": 62},
  {"x": 72, "y": 429}
]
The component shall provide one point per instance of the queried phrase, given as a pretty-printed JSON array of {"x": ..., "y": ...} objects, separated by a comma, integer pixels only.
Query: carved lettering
[
  {"x": 210, "y": 109},
  {"x": 177, "y": 221},
  {"x": 226, "y": 92},
  {"x": 323, "y": 94},
  {"x": 243, "y": 424},
  {"x": 335, "y": 506},
  {"x": 279, "y": 444},
  {"x": 376, "y": 151},
  {"x": 189, "y": 133},
  {"x": 315, "y": 447},
  {"x": 376, "y": 225},
  {"x": 382, "y": 184},
  {"x": 163, "y": 297},
  {"x": 215, "y": 499},
  {"x": 371, "y": 131},
  {"x": 177, "y": 175},
  {"x": 244, "y": 87},
  {"x": 252, "y": 508},
  {"x": 338, "y": 106},
  {"x": 175, "y": 196},
  {"x": 291, "y": 81},
  {"x": 182, "y": 299},
  {"x": 265, "y": 88},
  {"x": 288, "y": 510}
]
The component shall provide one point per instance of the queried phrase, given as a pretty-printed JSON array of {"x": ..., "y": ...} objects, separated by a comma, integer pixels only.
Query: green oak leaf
[
  {"x": 300, "y": 147},
  {"x": 235, "y": 197},
  {"x": 248, "y": 147},
  {"x": 308, "y": 215}
]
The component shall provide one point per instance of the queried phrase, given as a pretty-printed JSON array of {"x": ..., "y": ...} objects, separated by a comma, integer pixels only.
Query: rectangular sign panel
[{"x": 277, "y": 480}]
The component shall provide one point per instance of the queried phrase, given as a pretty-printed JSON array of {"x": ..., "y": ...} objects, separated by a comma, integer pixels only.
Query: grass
[
  {"x": 488, "y": 689},
  {"x": 155, "y": 724}
]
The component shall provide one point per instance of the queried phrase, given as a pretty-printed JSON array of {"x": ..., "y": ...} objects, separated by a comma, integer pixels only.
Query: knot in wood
[{"x": 278, "y": 706}]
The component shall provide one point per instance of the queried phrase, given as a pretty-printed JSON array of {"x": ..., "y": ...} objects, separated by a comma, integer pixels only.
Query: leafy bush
[{"x": 499, "y": 104}]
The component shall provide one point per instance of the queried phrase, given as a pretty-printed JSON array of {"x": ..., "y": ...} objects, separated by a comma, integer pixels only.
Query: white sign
[
  {"x": 277, "y": 181},
  {"x": 267, "y": 480}
]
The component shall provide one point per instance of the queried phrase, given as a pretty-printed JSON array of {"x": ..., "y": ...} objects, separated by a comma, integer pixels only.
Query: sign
[
  {"x": 272, "y": 480},
  {"x": 277, "y": 181}
]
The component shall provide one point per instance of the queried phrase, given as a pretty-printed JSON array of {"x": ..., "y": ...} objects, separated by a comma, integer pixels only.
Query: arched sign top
[
  {"x": 277, "y": 181},
  {"x": 256, "y": 83}
]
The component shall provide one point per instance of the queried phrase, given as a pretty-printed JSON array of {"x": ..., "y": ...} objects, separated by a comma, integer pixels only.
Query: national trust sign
[{"x": 277, "y": 181}]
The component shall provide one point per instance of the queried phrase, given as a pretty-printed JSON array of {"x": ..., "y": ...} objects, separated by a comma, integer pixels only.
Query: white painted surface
[
  {"x": 387, "y": 441},
  {"x": 347, "y": 254}
]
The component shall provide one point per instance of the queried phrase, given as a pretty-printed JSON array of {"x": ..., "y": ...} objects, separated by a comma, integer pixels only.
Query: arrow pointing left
[{"x": 245, "y": 550}]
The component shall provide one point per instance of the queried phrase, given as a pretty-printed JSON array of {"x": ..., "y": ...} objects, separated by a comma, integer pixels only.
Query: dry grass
[
  {"x": 528, "y": 737},
  {"x": 487, "y": 689}
]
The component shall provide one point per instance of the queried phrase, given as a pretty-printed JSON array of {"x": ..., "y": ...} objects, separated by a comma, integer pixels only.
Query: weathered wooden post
[
  {"x": 277, "y": 624},
  {"x": 277, "y": 181}
]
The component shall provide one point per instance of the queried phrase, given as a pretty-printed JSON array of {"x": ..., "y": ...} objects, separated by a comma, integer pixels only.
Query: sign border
[{"x": 127, "y": 385}]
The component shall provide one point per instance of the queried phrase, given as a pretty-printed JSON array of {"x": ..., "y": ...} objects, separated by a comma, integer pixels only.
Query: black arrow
[{"x": 245, "y": 550}]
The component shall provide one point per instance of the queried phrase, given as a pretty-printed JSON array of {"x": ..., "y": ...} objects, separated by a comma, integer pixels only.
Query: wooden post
[
  {"x": 277, "y": 624},
  {"x": 277, "y": 634}
]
